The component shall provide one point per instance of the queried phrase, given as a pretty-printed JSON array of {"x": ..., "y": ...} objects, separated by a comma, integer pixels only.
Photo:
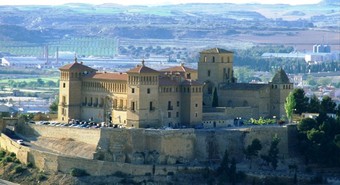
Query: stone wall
[
  {"x": 167, "y": 147},
  {"x": 89, "y": 136},
  {"x": 51, "y": 162},
  {"x": 20, "y": 151}
]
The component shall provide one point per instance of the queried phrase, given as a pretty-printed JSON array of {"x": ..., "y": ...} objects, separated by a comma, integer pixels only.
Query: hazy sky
[{"x": 150, "y": 2}]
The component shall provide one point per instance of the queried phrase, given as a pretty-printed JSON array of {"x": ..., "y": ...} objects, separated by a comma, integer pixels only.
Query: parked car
[{"x": 20, "y": 141}]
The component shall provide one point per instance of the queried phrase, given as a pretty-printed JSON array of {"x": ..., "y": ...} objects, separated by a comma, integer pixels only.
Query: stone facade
[
  {"x": 143, "y": 97},
  {"x": 215, "y": 70}
]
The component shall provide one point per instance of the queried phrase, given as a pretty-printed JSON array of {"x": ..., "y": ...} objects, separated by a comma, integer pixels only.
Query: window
[
  {"x": 213, "y": 59},
  {"x": 196, "y": 105},
  {"x": 133, "y": 106},
  {"x": 208, "y": 72},
  {"x": 222, "y": 59},
  {"x": 64, "y": 85},
  {"x": 188, "y": 76},
  {"x": 151, "y": 108},
  {"x": 177, "y": 103},
  {"x": 170, "y": 106},
  {"x": 205, "y": 59},
  {"x": 169, "y": 114},
  {"x": 148, "y": 90},
  {"x": 177, "y": 114},
  {"x": 133, "y": 90},
  {"x": 196, "y": 115}
]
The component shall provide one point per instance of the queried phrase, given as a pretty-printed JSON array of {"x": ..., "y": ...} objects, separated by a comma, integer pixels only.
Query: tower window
[
  {"x": 148, "y": 90},
  {"x": 133, "y": 106},
  {"x": 64, "y": 85},
  {"x": 133, "y": 90},
  {"x": 213, "y": 59},
  {"x": 208, "y": 72},
  {"x": 177, "y": 103},
  {"x": 151, "y": 108}
]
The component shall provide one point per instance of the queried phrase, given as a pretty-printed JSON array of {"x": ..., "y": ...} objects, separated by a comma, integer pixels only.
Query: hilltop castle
[{"x": 144, "y": 97}]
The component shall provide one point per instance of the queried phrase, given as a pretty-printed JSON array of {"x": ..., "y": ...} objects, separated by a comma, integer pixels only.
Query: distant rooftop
[{"x": 215, "y": 51}]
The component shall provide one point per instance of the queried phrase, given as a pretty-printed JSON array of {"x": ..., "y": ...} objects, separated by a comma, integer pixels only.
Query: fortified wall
[{"x": 166, "y": 147}]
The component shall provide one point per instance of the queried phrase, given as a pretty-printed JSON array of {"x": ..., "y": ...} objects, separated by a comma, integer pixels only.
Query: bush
[
  {"x": 2, "y": 153},
  {"x": 7, "y": 159},
  {"x": 19, "y": 169},
  {"x": 12, "y": 154},
  {"x": 17, "y": 161},
  {"x": 120, "y": 174},
  {"x": 76, "y": 172},
  {"x": 41, "y": 177},
  {"x": 30, "y": 165}
]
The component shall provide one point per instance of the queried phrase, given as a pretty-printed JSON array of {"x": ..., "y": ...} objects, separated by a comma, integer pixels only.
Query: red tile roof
[
  {"x": 166, "y": 81},
  {"x": 180, "y": 68},
  {"x": 215, "y": 51},
  {"x": 142, "y": 69},
  {"x": 108, "y": 76},
  {"x": 77, "y": 67}
]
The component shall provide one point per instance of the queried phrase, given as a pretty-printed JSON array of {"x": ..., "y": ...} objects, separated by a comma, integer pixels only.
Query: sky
[{"x": 151, "y": 2}]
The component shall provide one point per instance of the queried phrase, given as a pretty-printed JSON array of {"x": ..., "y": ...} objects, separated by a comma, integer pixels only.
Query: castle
[{"x": 177, "y": 96}]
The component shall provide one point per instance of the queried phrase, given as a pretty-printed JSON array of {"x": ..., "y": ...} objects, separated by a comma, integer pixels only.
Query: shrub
[
  {"x": 7, "y": 159},
  {"x": 19, "y": 169},
  {"x": 12, "y": 154},
  {"x": 2, "y": 153},
  {"x": 30, "y": 165},
  {"x": 120, "y": 174},
  {"x": 17, "y": 161},
  {"x": 171, "y": 173},
  {"x": 76, "y": 172},
  {"x": 41, "y": 177}
]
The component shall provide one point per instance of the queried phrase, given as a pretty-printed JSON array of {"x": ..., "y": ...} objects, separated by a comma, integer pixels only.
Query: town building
[{"x": 176, "y": 96}]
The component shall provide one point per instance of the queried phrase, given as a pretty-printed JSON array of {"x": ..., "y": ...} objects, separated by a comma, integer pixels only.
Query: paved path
[{"x": 4, "y": 182}]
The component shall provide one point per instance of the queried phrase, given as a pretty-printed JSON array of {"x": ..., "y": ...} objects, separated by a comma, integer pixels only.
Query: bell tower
[
  {"x": 280, "y": 87},
  {"x": 215, "y": 67},
  {"x": 70, "y": 90}
]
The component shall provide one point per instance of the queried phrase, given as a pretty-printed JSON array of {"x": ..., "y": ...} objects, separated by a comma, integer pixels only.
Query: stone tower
[
  {"x": 70, "y": 90},
  {"x": 280, "y": 87},
  {"x": 191, "y": 109},
  {"x": 142, "y": 95},
  {"x": 215, "y": 67}
]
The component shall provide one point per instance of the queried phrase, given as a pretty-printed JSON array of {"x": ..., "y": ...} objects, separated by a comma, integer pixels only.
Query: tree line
[{"x": 319, "y": 138}]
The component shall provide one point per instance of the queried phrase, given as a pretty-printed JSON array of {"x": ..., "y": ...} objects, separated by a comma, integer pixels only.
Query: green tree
[
  {"x": 314, "y": 105},
  {"x": 253, "y": 150},
  {"x": 301, "y": 101},
  {"x": 215, "y": 98},
  {"x": 54, "y": 106},
  {"x": 289, "y": 106},
  {"x": 327, "y": 105},
  {"x": 272, "y": 156}
]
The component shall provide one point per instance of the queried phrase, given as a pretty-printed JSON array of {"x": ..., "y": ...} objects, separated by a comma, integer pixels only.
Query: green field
[
  {"x": 83, "y": 46},
  {"x": 27, "y": 80}
]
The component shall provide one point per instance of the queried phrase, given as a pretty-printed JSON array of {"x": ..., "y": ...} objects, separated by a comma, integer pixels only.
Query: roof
[
  {"x": 243, "y": 86},
  {"x": 166, "y": 81},
  {"x": 280, "y": 77},
  {"x": 191, "y": 83},
  {"x": 180, "y": 68},
  {"x": 108, "y": 76},
  {"x": 215, "y": 51},
  {"x": 142, "y": 69},
  {"x": 77, "y": 66}
]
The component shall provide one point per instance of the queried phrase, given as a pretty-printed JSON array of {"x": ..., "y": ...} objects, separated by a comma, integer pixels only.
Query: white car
[{"x": 20, "y": 141}]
